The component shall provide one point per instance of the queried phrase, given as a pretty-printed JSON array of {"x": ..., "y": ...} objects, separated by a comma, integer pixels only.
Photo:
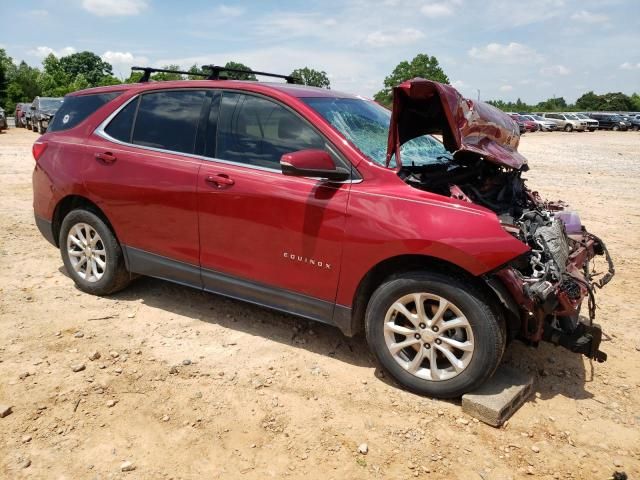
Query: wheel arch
[
  {"x": 411, "y": 263},
  {"x": 74, "y": 202}
]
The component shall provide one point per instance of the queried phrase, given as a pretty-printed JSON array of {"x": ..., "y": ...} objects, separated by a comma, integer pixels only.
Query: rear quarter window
[{"x": 75, "y": 109}]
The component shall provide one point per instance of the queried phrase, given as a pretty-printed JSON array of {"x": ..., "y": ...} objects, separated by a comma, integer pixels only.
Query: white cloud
[
  {"x": 506, "y": 88},
  {"x": 123, "y": 61},
  {"x": 630, "y": 66},
  {"x": 230, "y": 10},
  {"x": 42, "y": 52},
  {"x": 555, "y": 70},
  {"x": 435, "y": 10},
  {"x": 37, "y": 13},
  {"x": 589, "y": 17},
  {"x": 509, "y": 53},
  {"x": 105, "y": 8},
  {"x": 406, "y": 36}
]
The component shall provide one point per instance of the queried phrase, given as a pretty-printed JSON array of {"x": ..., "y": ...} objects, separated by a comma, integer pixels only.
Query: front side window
[
  {"x": 257, "y": 131},
  {"x": 168, "y": 120},
  {"x": 366, "y": 125}
]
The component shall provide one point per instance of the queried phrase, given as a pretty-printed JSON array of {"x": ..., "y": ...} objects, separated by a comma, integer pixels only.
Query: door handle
[
  {"x": 106, "y": 157},
  {"x": 220, "y": 180}
]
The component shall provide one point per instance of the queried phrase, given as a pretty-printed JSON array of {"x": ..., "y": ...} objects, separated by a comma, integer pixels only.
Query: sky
[{"x": 505, "y": 49}]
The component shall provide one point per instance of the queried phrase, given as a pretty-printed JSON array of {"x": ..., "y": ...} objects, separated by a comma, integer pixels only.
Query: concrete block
[{"x": 500, "y": 396}]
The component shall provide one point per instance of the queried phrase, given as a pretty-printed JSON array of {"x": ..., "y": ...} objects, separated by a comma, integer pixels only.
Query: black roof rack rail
[
  {"x": 216, "y": 69},
  {"x": 149, "y": 70},
  {"x": 214, "y": 73}
]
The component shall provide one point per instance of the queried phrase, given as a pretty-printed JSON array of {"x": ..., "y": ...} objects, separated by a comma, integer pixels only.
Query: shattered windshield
[{"x": 366, "y": 124}]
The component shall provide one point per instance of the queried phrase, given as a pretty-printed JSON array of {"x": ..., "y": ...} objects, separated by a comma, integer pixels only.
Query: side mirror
[{"x": 312, "y": 163}]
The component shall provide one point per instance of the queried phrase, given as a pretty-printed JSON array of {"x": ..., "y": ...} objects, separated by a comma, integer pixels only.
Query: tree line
[{"x": 59, "y": 76}]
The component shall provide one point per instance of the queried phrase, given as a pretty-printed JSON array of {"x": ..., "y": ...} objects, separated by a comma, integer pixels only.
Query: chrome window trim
[{"x": 100, "y": 131}]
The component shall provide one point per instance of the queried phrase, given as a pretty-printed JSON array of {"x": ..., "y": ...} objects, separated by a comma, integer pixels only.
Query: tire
[
  {"x": 34, "y": 126},
  {"x": 105, "y": 280},
  {"x": 636, "y": 128},
  {"x": 615, "y": 128},
  {"x": 40, "y": 128},
  {"x": 478, "y": 328},
  {"x": 568, "y": 127}
]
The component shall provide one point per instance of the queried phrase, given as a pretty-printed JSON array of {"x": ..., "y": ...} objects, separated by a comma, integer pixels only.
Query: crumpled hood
[{"x": 425, "y": 107}]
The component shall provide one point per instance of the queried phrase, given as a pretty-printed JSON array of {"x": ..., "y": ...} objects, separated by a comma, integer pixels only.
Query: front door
[{"x": 266, "y": 237}]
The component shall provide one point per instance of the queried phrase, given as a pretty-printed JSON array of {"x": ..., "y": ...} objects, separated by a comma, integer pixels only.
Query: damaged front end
[{"x": 543, "y": 290}]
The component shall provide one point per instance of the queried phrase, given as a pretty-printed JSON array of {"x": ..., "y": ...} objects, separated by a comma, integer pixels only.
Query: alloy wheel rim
[
  {"x": 87, "y": 253},
  {"x": 428, "y": 336}
]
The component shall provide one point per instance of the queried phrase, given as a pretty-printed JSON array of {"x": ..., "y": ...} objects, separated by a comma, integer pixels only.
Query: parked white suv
[{"x": 567, "y": 121}]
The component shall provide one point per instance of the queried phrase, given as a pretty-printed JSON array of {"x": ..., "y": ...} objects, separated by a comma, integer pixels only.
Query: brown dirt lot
[{"x": 269, "y": 396}]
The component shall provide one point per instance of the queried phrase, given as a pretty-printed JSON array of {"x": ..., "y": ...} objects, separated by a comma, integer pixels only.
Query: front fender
[{"x": 383, "y": 226}]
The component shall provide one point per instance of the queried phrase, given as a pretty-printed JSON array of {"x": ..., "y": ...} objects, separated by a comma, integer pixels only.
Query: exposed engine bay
[{"x": 548, "y": 283}]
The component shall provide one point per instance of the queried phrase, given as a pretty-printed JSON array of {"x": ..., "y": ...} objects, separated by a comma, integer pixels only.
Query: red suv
[{"x": 327, "y": 206}]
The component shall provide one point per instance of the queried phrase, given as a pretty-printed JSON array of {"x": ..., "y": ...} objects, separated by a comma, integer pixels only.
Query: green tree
[
  {"x": 635, "y": 101},
  {"x": 6, "y": 66},
  {"x": 196, "y": 69},
  {"x": 238, "y": 75},
  {"x": 422, "y": 66},
  {"x": 617, "y": 102},
  {"x": 589, "y": 101},
  {"x": 23, "y": 85},
  {"x": 161, "y": 76},
  {"x": 91, "y": 66},
  {"x": 312, "y": 77},
  {"x": 552, "y": 105}
]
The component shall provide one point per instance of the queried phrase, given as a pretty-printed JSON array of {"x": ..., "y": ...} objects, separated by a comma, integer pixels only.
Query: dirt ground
[{"x": 191, "y": 385}]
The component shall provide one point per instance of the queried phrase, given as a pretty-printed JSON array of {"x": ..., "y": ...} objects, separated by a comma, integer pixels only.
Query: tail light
[{"x": 38, "y": 149}]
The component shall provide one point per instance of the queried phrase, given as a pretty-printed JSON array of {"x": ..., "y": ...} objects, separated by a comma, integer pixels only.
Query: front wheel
[
  {"x": 568, "y": 127},
  {"x": 91, "y": 254},
  {"x": 40, "y": 128},
  {"x": 615, "y": 128},
  {"x": 436, "y": 335}
]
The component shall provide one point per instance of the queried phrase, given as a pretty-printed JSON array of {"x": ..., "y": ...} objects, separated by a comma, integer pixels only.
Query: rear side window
[
  {"x": 121, "y": 126},
  {"x": 257, "y": 131},
  {"x": 168, "y": 120},
  {"x": 75, "y": 109}
]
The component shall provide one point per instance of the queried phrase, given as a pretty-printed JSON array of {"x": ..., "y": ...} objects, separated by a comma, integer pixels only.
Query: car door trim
[{"x": 150, "y": 264}]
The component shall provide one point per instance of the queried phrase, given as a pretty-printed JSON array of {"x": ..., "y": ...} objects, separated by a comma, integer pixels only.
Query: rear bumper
[{"x": 46, "y": 229}]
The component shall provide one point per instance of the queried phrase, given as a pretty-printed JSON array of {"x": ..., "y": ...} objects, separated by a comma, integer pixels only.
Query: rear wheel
[
  {"x": 91, "y": 254},
  {"x": 568, "y": 127},
  {"x": 435, "y": 334}
]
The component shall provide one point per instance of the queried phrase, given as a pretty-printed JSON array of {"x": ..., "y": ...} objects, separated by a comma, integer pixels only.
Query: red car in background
[
  {"x": 327, "y": 206},
  {"x": 529, "y": 125}
]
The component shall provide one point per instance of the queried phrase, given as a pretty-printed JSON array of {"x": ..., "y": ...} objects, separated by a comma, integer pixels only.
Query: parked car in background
[
  {"x": 610, "y": 121},
  {"x": 521, "y": 126},
  {"x": 43, "y": 110},
  {"x": 3, "y": 120},
  {"x": 567, "y": 121},
  {"x": 592, "y": 123},
  {"x": 324, "y": 205},
  {"x": 28, "y": 112},
  {"x": 544, "y": 125},
  {"x": 632, "y": 121},
  {"x": 20, "y": 114},
  {"x": 529, "y": 125}
]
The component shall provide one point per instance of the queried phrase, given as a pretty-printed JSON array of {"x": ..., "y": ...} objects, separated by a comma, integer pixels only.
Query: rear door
[
  {"x": 144, "y": 171},
  {"x": 266, "y": 237}
]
